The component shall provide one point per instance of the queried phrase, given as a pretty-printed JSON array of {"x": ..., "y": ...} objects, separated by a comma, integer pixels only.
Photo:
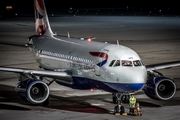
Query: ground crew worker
[{"x": 132, "y": 103}]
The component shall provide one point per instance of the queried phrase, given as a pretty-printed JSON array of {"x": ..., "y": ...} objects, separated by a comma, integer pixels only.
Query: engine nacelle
[
  {"x": 160, "y": 88},
  {"x": 33, "y": 91}
]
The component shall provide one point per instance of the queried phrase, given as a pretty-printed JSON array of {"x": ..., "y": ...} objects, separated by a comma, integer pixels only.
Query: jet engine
[
  {"x": 33, "y": 91},
  {"x": 160, "y": 88}
]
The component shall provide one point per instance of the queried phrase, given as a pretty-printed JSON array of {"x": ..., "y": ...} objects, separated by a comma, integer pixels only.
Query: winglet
[{"x": 42, "y": 26}]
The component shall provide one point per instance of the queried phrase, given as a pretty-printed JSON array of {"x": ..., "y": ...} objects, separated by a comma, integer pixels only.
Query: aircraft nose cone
[
  {"x": 135, "y": 79},
  {"x": 137, "y": 75},
  {"x": 140, "y": 77}
]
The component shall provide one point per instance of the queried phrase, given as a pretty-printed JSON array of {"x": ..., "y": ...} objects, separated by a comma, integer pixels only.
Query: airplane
[{"x": 85, "y": 64}]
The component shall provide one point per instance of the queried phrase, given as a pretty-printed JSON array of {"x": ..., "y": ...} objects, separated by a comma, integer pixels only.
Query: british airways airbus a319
[{"x": 85, "y": 64}]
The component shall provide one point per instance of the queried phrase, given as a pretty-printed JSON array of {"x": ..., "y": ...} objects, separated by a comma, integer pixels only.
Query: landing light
[{"x": 89, "y": 40}]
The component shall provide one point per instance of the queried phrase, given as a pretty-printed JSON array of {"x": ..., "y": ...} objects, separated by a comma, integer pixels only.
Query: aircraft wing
[
  {"x": 42, "y": 73},
  {"x": 13, "y": 44},
  {"x": 165, "y": 65}
]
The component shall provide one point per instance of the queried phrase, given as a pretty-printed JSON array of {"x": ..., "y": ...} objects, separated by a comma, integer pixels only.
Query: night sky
[{"x": 27, "y": 5}]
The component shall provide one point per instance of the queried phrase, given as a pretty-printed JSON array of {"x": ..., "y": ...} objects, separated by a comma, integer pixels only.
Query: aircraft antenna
[
  {"x": 118, "y": 42},
  {"x": 68, "y": 35},
  {"x": 55, "y": 33}
]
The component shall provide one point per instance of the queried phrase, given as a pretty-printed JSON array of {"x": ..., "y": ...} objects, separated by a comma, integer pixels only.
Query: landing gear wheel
[
  {"x": 115, "y": 100},
  {"x": 115, "y": 97},
  {"x": 125, "y": 98},
  {"x": 116, "y": 110},
  {"x": 122, "y": 110},
  {"x": 119, "y": 109}
]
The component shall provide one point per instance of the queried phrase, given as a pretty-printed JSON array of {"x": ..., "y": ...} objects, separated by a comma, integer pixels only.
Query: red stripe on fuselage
[
  {"x": 99, "y": 54},
  {"x": 40, "y": 4}
]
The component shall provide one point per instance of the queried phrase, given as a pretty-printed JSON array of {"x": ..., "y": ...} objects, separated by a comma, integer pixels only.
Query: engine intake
[
  {"x": 33, "y": 91},
  {"x": 160, "y": 88}
]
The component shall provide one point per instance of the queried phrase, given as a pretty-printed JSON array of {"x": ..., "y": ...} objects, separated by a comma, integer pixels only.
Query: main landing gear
[{"x": 124, "y": 98}]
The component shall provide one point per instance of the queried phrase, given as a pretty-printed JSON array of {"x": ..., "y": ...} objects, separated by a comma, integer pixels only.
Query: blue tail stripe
[
  {"x": 38, "y": 15},
  {"x": 102, "y": 63}
]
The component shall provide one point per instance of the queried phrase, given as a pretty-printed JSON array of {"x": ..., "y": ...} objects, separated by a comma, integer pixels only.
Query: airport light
[
  {"x": 9, "y": 7},
  {"x": 89, "y": 39},
  {"x": 91, "y": 89}
]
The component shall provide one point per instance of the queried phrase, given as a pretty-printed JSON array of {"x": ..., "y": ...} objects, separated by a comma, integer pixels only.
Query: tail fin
[{"x": 42, "y": 26}]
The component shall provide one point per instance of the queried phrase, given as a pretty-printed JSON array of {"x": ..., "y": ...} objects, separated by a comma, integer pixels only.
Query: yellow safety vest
[{"x": 132, "y": 101}]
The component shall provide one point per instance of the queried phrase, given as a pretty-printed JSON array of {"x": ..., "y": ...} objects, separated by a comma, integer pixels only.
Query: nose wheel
[
  {"x": 119, "y": 109},
  {"x": 118, "y": 98}
]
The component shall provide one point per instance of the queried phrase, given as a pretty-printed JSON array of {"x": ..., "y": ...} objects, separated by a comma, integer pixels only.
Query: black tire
[
  {"x": 115, "y": 101},
  {"x": 115, "y": 98},
  {"x": 116, "y": 109},
  {"x": 122, "y": 110},
  {"x": 125, "y": 98}
]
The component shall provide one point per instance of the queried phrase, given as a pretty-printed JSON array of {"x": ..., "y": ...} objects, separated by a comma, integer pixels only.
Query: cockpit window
[
  {"x": 127, "y": 63},
  {"x": 137, "y": 63},
  {"x": 112, "y": 62},
  {"x": 117, "y": 63}
]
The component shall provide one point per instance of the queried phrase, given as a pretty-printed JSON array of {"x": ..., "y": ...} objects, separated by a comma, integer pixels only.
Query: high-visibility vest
[{"x": 132, "y": 101}]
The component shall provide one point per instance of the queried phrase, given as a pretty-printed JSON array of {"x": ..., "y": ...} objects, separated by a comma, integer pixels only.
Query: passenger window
[
  {"x": 126, "y": 63},
  {"x": 137, "y": 63},
  {"x": 112, "y": 62},
  {"x": 117, "y": 63}
]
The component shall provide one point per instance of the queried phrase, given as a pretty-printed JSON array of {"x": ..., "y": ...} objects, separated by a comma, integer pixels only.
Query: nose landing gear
[
  {"x": 119, "y": 98},
  {"x": 119, "y": 109}
]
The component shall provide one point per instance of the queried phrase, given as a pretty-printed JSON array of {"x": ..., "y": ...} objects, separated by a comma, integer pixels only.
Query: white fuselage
[{"x": 110, "y": 67}]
